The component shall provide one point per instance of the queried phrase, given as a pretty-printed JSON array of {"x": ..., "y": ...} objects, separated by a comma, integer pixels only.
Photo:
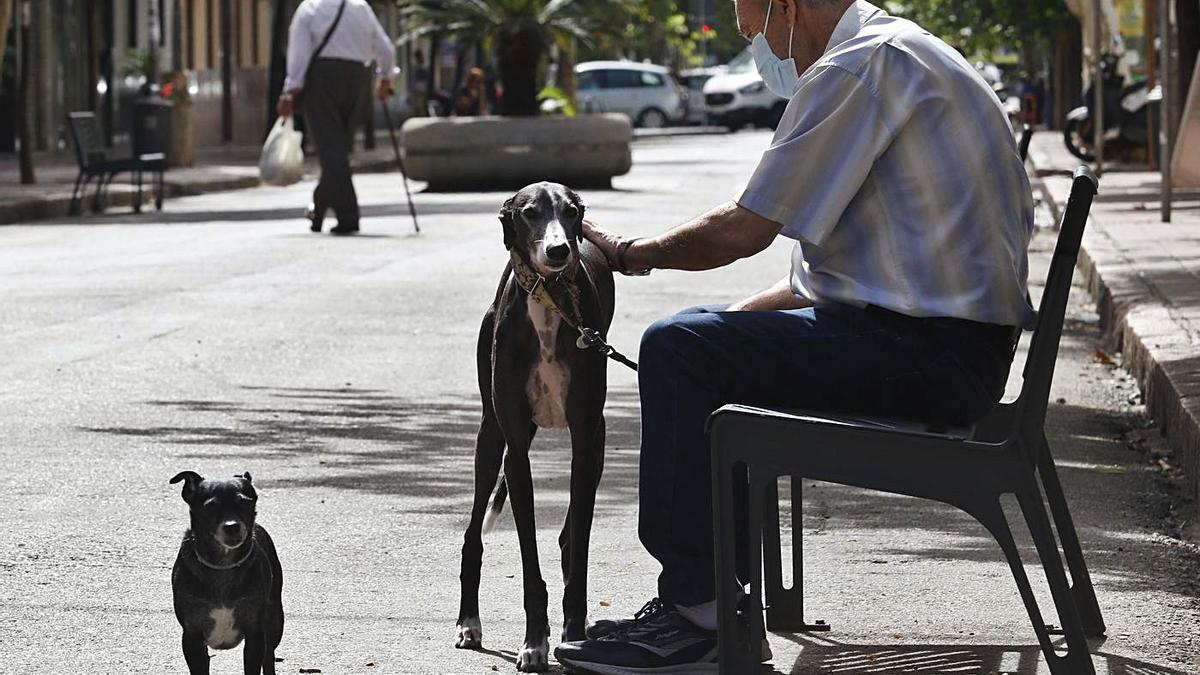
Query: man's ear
[
  {"x": 506, "y": 221},
  {"x": 190, "y": 480}
]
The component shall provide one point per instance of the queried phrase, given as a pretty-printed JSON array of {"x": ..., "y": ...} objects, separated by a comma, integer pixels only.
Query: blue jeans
[{"x": 833, "y": 358}]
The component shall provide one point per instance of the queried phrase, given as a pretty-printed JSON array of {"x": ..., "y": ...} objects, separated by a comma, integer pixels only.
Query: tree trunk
[
  {"x": 566, "y": 71},
  {"x": 519, "y": 55},
  {"x": 5, "y": 21},
  {"x": 278, "y": 69},
  {"x": 24, "y": 136}
]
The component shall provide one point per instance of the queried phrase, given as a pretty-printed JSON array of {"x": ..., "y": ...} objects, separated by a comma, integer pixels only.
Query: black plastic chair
[
  {"x": 1023, "y": 141},
  {"x": 1005, "y": 453},
  {"x": 94, "y": 162}
]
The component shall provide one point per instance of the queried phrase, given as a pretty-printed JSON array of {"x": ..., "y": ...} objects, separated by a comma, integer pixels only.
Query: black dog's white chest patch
[
  {"x": 224, "y": 633},
  {"x": 549, "y": 377}
]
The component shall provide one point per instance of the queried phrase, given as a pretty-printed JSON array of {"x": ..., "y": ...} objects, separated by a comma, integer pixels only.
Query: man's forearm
[{"x": 715, "y": 239}]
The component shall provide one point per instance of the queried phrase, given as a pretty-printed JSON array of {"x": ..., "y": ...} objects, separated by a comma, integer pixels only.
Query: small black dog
[{"x": 227, "y": 580}]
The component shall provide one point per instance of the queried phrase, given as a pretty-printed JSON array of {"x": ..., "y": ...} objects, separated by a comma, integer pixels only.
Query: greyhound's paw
[
  {"x": 470, "y": 635},
  {"x": 534, "y": 658}
]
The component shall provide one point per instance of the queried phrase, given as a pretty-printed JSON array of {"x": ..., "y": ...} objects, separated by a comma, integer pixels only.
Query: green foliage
[
  {"x": 983, "y": 27},
  {"x": 560, "y": 97},
  {"x": 490, "y": 20}
]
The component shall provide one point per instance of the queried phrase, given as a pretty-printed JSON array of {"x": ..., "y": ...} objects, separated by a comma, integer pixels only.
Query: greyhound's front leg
[
  {"x": 535, "y": 653},
  {"x": 587, "y": 464}
]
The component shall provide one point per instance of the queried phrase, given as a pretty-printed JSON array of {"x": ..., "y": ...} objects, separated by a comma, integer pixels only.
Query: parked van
[{"x": 646, "y": 93}]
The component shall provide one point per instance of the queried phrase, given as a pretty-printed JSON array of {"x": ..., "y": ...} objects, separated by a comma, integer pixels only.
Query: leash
[{"x": 589, "y": 338}]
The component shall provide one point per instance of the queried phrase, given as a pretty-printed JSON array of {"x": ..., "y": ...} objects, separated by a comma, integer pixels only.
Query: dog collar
[
  {"x": 223, "y": 568},
  {"x": 535, "y": 285}
]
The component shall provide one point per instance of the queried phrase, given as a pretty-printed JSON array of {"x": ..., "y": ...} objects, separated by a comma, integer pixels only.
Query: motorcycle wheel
[{"x": 1076, "y": 137}]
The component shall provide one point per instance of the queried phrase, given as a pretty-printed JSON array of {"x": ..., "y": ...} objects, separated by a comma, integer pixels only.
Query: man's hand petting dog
[{"x": 604, "y": 240}]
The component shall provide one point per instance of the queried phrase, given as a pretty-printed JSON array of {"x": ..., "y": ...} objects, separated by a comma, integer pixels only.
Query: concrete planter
[{"x": 506, "y": 152}]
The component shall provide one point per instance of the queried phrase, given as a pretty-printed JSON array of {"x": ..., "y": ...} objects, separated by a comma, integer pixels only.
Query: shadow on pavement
[
  {"x": 827, "y": 656},
  {"x": 372, "y": 441}
]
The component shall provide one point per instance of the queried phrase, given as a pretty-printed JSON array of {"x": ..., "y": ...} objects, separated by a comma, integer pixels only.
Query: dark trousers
[
  {"x": 833, "y": 358},
  {"x": 333, "y": 106}
]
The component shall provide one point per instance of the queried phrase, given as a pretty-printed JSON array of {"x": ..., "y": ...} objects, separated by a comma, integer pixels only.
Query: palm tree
[{"x": 520, "y": 31}]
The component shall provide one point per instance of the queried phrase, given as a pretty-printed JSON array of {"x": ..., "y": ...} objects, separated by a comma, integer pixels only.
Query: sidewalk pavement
[
  {"x": 216, "y": 169},
  {"x": 1145, "y": 278}
]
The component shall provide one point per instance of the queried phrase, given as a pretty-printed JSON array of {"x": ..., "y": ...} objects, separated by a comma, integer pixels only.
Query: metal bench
[
  {"x": 1006, "y": 453},
  {"x": 94, "y": 163}
]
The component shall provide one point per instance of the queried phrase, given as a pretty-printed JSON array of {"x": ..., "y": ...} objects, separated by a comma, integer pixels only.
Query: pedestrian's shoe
[
  {"x": 657, "y": 640},
  {"x": 343, "y": 228},
  {"x": 605, "y": 627},
  {"x": 315, "y": 218}
]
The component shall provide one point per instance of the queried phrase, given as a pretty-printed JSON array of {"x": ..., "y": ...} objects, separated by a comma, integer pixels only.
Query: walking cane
[{"x": 387, "y": 118}]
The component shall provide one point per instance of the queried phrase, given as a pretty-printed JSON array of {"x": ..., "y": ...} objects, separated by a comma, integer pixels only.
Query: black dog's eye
[
  {"x": 211, "y": 505},
  {"x": 244, "y": 498}
]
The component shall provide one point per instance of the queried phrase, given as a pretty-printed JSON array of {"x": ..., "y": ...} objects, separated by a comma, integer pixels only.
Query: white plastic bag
[{"x": 282, "y": 161}]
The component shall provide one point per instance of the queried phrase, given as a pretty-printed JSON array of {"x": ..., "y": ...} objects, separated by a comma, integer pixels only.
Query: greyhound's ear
[
  {"x": 190, "y": 480},
  {"x": 581, "y": 207},
  {"x": 506, "y": 221}
]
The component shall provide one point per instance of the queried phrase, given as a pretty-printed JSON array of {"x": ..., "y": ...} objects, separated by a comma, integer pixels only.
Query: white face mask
[{"x": 779, "y": 75}]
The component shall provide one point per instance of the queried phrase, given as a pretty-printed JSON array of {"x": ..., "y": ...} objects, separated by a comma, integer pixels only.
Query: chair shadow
[{"x": 820, "y": 655}]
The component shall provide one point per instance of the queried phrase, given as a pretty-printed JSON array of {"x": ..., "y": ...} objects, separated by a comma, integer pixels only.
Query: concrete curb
[{"x": 1159, "y": 350}]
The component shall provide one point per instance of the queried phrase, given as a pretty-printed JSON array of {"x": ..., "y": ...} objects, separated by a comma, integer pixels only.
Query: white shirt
[
  {"x": 358, "y": 37},
  {"x": 895, "y": 170}
]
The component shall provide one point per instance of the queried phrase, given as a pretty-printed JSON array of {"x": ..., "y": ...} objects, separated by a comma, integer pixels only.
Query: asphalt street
[{"x": 221, "y": 336}]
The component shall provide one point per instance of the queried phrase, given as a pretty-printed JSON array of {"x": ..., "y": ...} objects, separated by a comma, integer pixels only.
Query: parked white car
[
  {"x": 694, "y": 80},
  {"x": 646, "y": 93},
  {"x": 738, "y": 97}
]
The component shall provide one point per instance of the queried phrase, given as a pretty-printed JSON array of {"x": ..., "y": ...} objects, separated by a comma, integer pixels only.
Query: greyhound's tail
[{"x": 493, "y": 514}]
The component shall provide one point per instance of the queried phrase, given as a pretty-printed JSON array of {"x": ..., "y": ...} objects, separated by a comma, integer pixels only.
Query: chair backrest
[
  {"x": 1043, "y": 347},
  {"x": 85, "y": 133},
  {"x": 1023, "y": 141}
]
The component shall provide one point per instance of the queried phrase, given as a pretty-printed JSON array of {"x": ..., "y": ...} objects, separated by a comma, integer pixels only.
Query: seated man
[{"x": 896, "y": 173}]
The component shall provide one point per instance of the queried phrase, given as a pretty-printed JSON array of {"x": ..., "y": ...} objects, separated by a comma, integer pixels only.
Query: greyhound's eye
[
  {"x": 571, "y": 211},
  {"x": 529, "y": 211}
]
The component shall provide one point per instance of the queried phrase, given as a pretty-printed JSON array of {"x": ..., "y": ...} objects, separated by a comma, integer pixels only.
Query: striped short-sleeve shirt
[{"x": 895, "y": 170}]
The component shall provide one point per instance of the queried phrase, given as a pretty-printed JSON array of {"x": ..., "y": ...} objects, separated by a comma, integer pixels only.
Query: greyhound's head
[{"x": 543, "y": 222}]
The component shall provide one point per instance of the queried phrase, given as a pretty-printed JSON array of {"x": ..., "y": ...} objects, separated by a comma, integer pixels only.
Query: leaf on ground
[
  {"x": 605, "y": 603},
  {"x": 310, "y": 670},
  {"x": 1102, "y": 357}
]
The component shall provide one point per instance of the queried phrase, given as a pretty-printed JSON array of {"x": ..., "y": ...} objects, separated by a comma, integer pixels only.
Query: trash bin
[{"x": 152, "y": 128}]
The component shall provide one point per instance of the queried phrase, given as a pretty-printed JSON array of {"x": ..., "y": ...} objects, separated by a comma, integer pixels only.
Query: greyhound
[{"x": 532, "y": 373}]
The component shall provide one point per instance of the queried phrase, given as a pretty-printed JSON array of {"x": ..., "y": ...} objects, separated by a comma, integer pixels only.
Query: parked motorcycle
[{"x": 1125, "y": 116}]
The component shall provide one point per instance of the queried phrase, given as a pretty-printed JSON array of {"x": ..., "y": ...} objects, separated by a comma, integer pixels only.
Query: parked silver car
[{"x": 646, "y": 93}]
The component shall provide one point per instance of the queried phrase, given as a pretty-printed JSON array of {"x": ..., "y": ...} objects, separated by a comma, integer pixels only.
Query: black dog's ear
[
  {"x": 245, "y": 476},
  {"x": 581, "y": 208},
  {"x": 190, "y": 480},
  {"x": 506, "y": 221}
]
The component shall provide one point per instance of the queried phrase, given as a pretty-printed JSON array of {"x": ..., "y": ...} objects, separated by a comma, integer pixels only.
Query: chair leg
[
  {"x": 159, "y": 192},
  {"x": 1081, "y": 586},
  {"x": 733, "y": 628},
  {"x": 1077, "y": 661},
  {"x": 98, "y": 198},
  {"x": 1078, "y": 656},
  {"x": 136, "y": 178},
  {"x": 785, "y": 606},
  {"x": 81, "y": 181}
]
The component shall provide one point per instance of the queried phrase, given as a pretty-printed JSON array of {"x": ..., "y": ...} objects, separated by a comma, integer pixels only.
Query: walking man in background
[{"x": 330, "y": 44}]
